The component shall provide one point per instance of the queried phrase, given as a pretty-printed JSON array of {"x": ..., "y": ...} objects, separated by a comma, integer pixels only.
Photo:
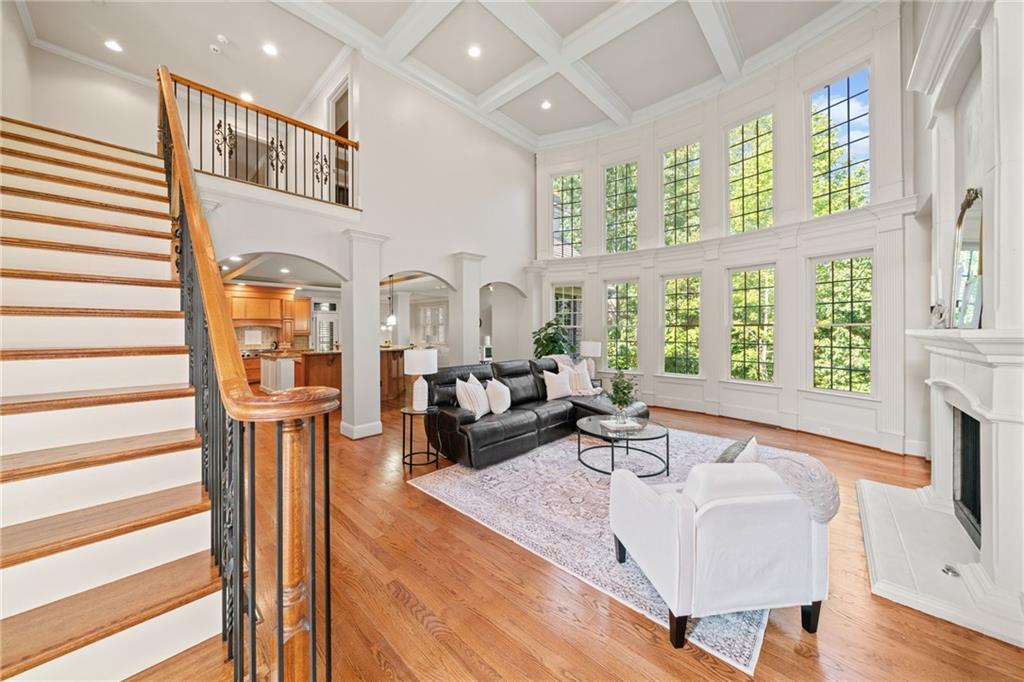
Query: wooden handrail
[
  {"x": 343, "y": 141},
  {"x": 239, "y": 400}
]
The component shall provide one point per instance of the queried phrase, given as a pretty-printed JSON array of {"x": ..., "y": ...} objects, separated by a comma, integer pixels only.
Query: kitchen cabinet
[
  {"x": 303, "y": 312},
  {"x": 252, "y": 370},
  {"x": 252, "y": 308}
]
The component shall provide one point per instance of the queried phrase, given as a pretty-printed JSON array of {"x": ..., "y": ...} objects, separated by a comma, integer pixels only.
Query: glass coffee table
[{"x": 625, "y": 442}]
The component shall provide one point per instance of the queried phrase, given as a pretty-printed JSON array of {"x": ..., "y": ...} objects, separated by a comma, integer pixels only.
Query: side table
[{"x": 409, "y": 450}]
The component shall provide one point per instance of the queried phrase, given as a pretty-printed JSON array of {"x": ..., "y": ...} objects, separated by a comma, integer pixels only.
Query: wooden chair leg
[
  {"x": 620, "y": 551},
  {"x": 677, "y": 630},
  {"x": 809, "y": 616}
]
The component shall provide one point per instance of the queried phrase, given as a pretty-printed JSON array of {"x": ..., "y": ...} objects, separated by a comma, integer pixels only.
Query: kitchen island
[{"x": 283, "y": 369}]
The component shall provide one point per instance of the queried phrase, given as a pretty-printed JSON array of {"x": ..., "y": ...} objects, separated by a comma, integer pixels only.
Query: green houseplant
[
  {"x": 622, "y": 395},
  {"x": 552, "y": 339}
]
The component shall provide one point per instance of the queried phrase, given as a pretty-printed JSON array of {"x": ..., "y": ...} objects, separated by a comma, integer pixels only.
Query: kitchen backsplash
[{"x": 254, "y": 338}]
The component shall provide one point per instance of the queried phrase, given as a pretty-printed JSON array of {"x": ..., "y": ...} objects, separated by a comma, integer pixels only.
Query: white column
[
  {"x": 593, "y": 201},
  {"x": 360, "y": 327},
  {"x": 464, "y": 309},
  {"x": 649, "y": 205},
  {"x": 790, "y": 330},
  {"x": 714, "y": 326}
]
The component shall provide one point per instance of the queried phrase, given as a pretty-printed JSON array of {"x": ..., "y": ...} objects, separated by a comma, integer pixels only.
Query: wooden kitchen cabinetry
[
  {"x": 303, "y": 313},
  {"x": 253, "y": 308}
]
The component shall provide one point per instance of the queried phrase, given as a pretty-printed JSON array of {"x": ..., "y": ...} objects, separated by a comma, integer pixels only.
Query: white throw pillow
[
  {"x": 579, "y": 377},
  {"x": 749, "y": 453},
  {"x": 471, "y": 396},
  {"x": 498, "y": 396},
  {"x": 557, "y": 385}
]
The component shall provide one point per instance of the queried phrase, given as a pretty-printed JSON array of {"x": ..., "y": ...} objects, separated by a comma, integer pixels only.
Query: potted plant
[
  {"x": 552, "y": 339},
  {"x": 623, "y": 393}
]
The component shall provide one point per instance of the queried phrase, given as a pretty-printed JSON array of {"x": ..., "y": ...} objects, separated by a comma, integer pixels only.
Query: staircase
[{"x": 105, "y": 558}]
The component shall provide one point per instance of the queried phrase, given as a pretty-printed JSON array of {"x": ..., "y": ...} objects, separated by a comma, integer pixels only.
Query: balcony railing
[{"x": 234, "y": 139}]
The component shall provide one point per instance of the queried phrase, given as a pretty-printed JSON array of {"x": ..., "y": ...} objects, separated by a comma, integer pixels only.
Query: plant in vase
[
  {"x": 552, "y": 339},
  {"x": 623, "y": 392}
]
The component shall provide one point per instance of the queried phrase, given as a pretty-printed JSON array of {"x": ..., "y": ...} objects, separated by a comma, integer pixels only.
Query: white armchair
[{"x": 731, "y": 538}]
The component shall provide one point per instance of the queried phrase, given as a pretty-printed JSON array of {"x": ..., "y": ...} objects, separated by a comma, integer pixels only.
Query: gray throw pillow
[{"x": 732, "y": 452}]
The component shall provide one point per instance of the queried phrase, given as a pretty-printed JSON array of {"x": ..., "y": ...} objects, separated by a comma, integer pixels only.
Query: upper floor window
[
  {"x": 682, "y": 325},
  {"x": 750, "y": 175},
  {"x": 621, "y": 325},
  {"x": 753, "y": 325},
  {"x": 840, "y": 172},
  {"x": 842, "y": 324},
  {"x": 567, "y": 215},
  {"x": 620, "y": 207},
  {"x": 569, "y": 312},
  {"x": 682, "y": 194}
]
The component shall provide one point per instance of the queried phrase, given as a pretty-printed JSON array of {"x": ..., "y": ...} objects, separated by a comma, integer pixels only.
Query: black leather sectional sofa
[{"x": 531, "y": 421}]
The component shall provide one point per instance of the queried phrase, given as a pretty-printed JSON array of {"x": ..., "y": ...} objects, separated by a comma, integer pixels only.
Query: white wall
[
  {"x": 15, "y": 95},
  {"x": 792, "y": 246}
]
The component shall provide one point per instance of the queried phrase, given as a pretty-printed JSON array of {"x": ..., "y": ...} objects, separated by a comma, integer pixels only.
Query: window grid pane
[
  {"x": 620, "y": 207},
  {"x": 842, "y": 327},
  {"x": 567, "y": 215},
  {"x": 682, "y": 325},
  {"x": 840, "y": 163},
  {"x": 622, "y": 325},
  {"x": 569, "y": 312},
  {"x": 681, "y": 183},
  {"x": 753, "y": 325},
  {"x": 751, "y": 176}
]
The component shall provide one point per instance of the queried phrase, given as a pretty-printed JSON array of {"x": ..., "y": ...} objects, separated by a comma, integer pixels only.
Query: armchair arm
[
  {"x": 712, "y": 482},
  {"x": 451, "y": 418}
]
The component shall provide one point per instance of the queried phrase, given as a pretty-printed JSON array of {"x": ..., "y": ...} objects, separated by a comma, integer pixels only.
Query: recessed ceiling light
[
  {"x": 285, "y": 271},
  {"x": 114, "y": 46},
  {"x": 246, "y": 97},
  {"x": 241, "y": 284},
  {"x": 545, "y": 105},
  {"x": 223, "y": 267},
  {"x": 474, "y": 51},
  {"x": 298, "y": 288},
  {"x": 270, "y": 49},
  {"x": 235, "y": 258}
]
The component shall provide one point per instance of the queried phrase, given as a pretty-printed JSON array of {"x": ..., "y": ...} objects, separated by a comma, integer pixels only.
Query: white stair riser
[
  {"x": 40, "y": 331},
  {"x": 143, "y": 646},
  {"x": 12, "y": 202},
  {"x": 70, "y": 190},
  {"x": 82, "y": 174},
  {"x": 25, "y": 377},
  {"x": 52, "y": 260},
  {"x": 81, "y": 235},
  {"x": 41, "y": 292},
  {"x": 54, "y": 428},
  {"x": 36, "y": 133},
  {"x": 81, "y": 158},
  {"x": 35, "y": 498}
]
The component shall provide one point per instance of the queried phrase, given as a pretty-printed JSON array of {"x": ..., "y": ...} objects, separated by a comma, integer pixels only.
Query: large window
[
  {"x": 842, "y": 324},
  {"x": 840, "y": 173},
  {"x": 567, "y": 215},
  {"x": 682, "y": 325},
  {"x": 682, "y": 194},
  {"x": 621, "y": 324},
  {"x": 620, "y": 207},
  {"x": 750, "y": 175},
  {"x": 569, "y": 312},
  {"x": 753, "y": 325}
]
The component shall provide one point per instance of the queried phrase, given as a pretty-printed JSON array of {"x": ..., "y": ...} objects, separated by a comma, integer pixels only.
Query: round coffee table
[{"x": 623, "y": 440}]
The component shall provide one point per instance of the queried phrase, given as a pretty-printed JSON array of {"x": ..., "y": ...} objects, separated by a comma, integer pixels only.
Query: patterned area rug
[{"x": 548, "y": 503}]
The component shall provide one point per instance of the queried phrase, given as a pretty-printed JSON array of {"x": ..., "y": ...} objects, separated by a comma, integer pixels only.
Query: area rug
[{"x": 553, "y": 506}]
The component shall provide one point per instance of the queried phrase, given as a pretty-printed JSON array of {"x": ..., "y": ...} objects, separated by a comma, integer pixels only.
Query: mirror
[{"x": 967, "y": 264}]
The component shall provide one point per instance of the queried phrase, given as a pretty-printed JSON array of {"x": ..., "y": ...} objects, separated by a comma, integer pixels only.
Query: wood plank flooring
[{"x": 422, "y": 592}]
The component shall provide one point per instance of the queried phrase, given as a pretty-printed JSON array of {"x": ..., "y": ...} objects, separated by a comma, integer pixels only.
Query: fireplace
[{"x": 967, "y": 473}]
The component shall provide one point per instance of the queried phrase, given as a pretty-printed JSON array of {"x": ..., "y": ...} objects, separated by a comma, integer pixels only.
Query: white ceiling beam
[
  {"x": 414, "y": 25},
  {"x": 586, "y": 80},
  {"x": 608, "y": 26},
  {"x": 244, "y": 267},
  {"x": 507, "y": 89},
  {"x": 716, "y": 25},
  {"x": 334, "y": 23}
]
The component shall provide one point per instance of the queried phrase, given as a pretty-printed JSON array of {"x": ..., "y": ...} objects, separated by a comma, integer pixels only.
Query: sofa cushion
[
  {"x": 549, "y": 412},
  {"x": 601, "y": 404},
  {"x": 494, "y": 428},
  {"x": 516, "y": 374},
  {"x": 441, "y": 385}
]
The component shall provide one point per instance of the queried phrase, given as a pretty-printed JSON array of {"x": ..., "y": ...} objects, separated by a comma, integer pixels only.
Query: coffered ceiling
[{"x": 599, "y": 66}]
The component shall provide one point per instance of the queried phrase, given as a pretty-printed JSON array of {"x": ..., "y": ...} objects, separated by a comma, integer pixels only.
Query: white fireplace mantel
[{"x": 918, "y": 553}]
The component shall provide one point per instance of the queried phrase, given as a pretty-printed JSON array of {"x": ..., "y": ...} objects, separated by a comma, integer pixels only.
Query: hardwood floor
[{"x": 422, "y": 592}]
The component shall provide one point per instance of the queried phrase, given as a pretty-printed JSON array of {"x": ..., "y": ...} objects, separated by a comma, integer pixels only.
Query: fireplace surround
[{"x": 967, "y": 473}]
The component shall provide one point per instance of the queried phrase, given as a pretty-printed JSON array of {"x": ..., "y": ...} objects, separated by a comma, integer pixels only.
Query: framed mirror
[{"x": 966, "y": 298}]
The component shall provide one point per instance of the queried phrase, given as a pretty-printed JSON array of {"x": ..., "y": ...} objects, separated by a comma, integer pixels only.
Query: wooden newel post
[{"x": 294, "y": 561}]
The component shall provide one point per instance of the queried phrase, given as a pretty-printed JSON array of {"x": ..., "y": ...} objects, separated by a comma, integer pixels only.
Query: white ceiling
[
  {"x": 301, "y": 272},
  {"x": 602, "y": 65}
]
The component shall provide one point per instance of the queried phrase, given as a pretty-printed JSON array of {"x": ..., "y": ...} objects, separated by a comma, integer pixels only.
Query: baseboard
[
  {"x": 357, "y": 431},
  {"x": 917, "y": 448}
]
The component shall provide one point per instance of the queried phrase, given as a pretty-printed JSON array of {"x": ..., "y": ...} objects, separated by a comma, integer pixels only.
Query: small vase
[{"x": 620, "y": 417}]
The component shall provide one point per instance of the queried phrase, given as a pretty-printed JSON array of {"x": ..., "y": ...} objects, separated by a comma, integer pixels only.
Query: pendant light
[{"x": 392, "y": 320}]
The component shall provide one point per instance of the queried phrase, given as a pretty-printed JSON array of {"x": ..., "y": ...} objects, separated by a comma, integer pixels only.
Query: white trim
[
  {"x": 715, "y": 24},
  {"x": 415, "y": 25},
  {"x": 330, "y": 73},
  {"x": 357, "y": 431}
]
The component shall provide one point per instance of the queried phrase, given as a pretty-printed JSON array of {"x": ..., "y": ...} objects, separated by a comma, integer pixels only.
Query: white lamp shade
[
  {"x": 420, "y": 361},
  {"x": 590, "y": 349}
]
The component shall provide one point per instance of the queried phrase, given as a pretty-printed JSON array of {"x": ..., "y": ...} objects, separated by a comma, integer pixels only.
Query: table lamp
[
  {"x": 590, "y": 350},
  {"x": 418, "y": 362}
]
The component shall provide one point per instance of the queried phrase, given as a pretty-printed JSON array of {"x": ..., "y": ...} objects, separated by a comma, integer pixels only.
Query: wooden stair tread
[
  {"x": 67, "y": 163},
  {"x": 85, "y": 184},
  {"x": 76, "y": 136},
  {"x": 55, "y": 629},
  {"x": 53, "y": 311},
  {"x": 22, "y": 465},
  {"x": 86, "y": 224},
  {"x": 101, "y": 352},
  {"x": 50, "y": 144},
  {"x": 30, "y": 540},
  {"x": 26, "y": 243},
  {"x": 204, "y": 662},
  {"x": 86, "y": 203},
  {"x": 65, "y": 400},
  {"x": 18, "y": 273}
]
